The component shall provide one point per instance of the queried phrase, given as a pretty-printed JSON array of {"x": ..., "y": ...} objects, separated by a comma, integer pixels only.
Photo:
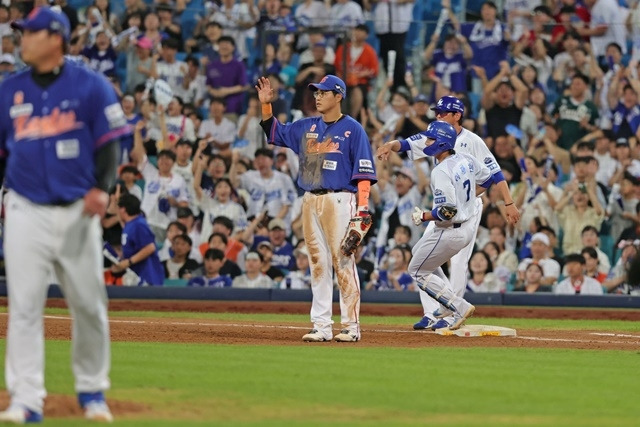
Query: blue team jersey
[
  {"x": 50, "y": 134},
  {"x": 136, "y": 234},
  {"x": 333, "y": 157},
  {"x": 215, "y": 282}
]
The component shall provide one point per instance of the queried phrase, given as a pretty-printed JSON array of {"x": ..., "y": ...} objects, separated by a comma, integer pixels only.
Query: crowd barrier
[{"x": 290, "y": 295}]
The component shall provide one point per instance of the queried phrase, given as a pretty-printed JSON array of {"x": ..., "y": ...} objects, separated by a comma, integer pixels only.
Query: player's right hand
[
  {"x": 95, "y": 202},
  {"x": 265, "y": 93},
  {"x": 417, "y": 216}
]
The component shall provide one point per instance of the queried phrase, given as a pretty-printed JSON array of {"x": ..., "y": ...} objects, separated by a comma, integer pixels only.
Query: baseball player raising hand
[
  {"x": 336, "y": 171},
  {"x": 59, "y": 129},
  {"x": 454, "y": 182},
  {"x": 451, "y": 110}
]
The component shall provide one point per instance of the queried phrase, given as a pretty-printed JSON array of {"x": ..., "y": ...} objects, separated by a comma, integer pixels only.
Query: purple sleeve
[{"x": 109, "y": 121}]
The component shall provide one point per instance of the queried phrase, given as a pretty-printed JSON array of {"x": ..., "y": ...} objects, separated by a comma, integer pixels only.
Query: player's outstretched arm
[
  {"x": 265, "y": 95},
  {"x": 385, "y": 149}
]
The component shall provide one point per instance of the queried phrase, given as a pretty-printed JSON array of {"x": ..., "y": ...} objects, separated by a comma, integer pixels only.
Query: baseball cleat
[
  {"x": 18, "y": 414},
  {"x": 440, "y": 324},
  {"x": 95, "y": 407},
  {"x": 346, "y": 335},
  {"x": 316, "y": 336},
  {"x": 442, "y": 312},
  {"x": 458, "y": 321},
  {"x": 424, "y": 323}
]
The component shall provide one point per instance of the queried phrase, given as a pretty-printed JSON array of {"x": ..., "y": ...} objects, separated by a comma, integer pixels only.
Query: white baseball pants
[
  {"x": 37, "y": 238},
  {"x": 325, "y": 221},
  {"x": 436, "y": 247}
]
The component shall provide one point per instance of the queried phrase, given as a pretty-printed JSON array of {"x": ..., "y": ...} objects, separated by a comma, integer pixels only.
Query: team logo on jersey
[
  {"x": 347, "y": 134},
  {"x": 115, "y": 116},
  {"x": 364, "y": 163},
  {"x": 313, "y": 127},
  {"x": 57, "y": 123},
  {"x": 312, "y": 135},
  {"x": 20, "y": 109},
  {"x": 437, "y": 192},
  {"x": 487, "y": 160},
  {"x": 329, "y": 165},
  {"x": 324, "y": 147}
]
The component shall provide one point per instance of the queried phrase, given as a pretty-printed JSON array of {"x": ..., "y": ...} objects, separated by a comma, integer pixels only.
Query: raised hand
[{"x": 265, "y": 93}]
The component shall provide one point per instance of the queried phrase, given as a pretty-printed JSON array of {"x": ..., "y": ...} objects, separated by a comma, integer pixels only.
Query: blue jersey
[
  {"x": 50, "y": 134},
  {"x": 136, "y": 234},
  {"x": 283, "y": 257},
  {"x": 333, "y": 157},
  {"x": 215, "y": 282}
]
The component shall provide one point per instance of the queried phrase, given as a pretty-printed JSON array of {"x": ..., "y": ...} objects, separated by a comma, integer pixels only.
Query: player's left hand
[
  {"x": 512, "y": 213},
  {"x": 96, "y": 202},
  {"x": 383, "y": 152},
  {"x": 358, "y": 227}
]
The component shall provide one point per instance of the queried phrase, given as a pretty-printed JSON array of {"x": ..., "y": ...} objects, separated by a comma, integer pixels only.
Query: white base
[{"x": 478, "y": 331}]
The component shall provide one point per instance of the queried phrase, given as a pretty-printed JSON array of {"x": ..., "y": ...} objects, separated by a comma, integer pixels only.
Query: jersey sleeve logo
[{"x": 487, "y": 160}]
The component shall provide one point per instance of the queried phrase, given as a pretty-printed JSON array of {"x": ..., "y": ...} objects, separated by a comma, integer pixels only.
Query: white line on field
[{"x": 394, "y": 331}]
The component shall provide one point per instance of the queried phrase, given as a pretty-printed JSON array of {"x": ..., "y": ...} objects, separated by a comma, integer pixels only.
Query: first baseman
[
  {"x": 451, "y": 110},
  {"x": 59, "y": 129},
  {"x": 454, "y": 182},
  {"x": 336, "y": 172}
]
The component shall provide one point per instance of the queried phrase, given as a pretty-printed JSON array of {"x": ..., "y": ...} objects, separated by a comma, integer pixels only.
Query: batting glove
[{"x": 417, "y": 216}]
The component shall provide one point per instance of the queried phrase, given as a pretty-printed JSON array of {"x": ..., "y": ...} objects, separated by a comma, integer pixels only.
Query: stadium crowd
[{"x": 551, "y": 86}]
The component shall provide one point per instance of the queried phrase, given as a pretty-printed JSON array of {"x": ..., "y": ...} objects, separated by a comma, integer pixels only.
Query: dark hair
[
  {"x": 264, "y": 152},
  {"x": 546, "y": 228},
  {"x": 179, "y": 225},
  {"x": 494, "y": 244},
  {"x": 486, "y": 257},
  {"x": 130, "y": 203},
  {"x": 362, "y": 27},
  {"x": 218, "y": 234},
  {"x": 582, "y": 159},
  {"x": 223, "y": 180},
  {"x": 184, "y": 237},
  {"x": 582, "y": 77},
  {"x": 614, "y": 45},
  {"x": 405, "y": 228},
  {"x": 227, "y": 39},
  {"x": 591, "y": 251},
  {"x": 590, "y": 228},
  {"x": 217, "y": 99},
  {"x": 257, "y": 253},
  {"x": 585, "y": 145},
  {"x": 214, "y": 254},
  {"x": 490, "y": 4},
  {"x": 224, "y": 221},
  {"x": 574, "y": 258},
  {"x": 213, "y": 24},
  {"x": 213, "y": 157},
  {"x": 538, "y": 266},
  {"x": 167, "y": 153}
]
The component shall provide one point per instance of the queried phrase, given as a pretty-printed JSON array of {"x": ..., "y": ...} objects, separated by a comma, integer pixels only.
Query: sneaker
[
  {"x": 95, "y": 407},
  {"x": 316, "y": 336},
  {"x": 459, "y": 320},
  {"x": 424, "y": 323},
  {"x": 440, "y": 324},
  {"x": 18, "y": 414},
  {"x": 346, "y": 335},
  {"x": 441, "y": 312}
]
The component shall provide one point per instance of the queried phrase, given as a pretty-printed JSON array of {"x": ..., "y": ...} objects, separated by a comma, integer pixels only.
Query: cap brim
[
  {"x": 18, "y": 25},
  {"x": 319, "y": 86}
]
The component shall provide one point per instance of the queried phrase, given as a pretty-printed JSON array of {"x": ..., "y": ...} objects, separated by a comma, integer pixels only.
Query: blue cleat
[
  {"x": 18, "y": 414},
  {"x": 424, "y": 323},
  {"x": 440, "y": 324}
]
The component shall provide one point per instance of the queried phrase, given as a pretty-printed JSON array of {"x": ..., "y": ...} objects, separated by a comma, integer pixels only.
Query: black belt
[
  {"x": 321, "y": 191},
  {"x": 62, "y": 204},
  {"x": 457, "y": 225}
]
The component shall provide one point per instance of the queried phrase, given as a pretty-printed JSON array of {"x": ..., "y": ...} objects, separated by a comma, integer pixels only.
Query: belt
[
  {"x": 457, "y": 225},
  {"x": 62, "y": 204},
  {"x": 321, "y": 191}
]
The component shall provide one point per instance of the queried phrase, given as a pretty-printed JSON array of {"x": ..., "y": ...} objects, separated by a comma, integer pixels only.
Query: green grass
[
  {"x": 350, "y": 385},
  {"x": 200, "y": 384}
]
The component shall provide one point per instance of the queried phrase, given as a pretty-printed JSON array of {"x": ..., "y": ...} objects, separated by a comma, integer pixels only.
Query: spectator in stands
[
  {"x": 164, "y": 191},
  {"x": 309, "y": 72},
  {"x": 590, "y": 238},
  {"x": 170, "y": 22},
  {"x": 132, "y": 7},
  {"x": 180, "y": 266},
  {"x": 194, "y": 83},
  {"x": 539, "y": 255},
  {"x": 605, "y": 26},
  {"x": 269, "y": 189},
  {"x": 227, "y": 77},
  {"x": 450, "y": 64},
  {"x": 170, "y": 69},
  {"x": 218, "y": 130},
  {"x": 210, "y": 272},
  {"x": 219, "y": 241},
  {"x": 622, "y": 99},
  {"x": 584, "y": 210},
  {"x": 253, "y": 278},
  {"x": 236, "y": 18},
  {"x": 184, "y": 167},
  {"x": 174, "y": 229},
  {"x": 577, "y": 282},
  {"x": 7, "y": 65},
  {"x": 311, "y": 14},
  {"x": 152, "y": 31},
  {"x": 234, "y": 250},
  {"x": 316, "y": 36},
  {"x": 111, "y": 226},
  {"x": 481, "y": 276},
  {"x": 532, "y": 283},
  {"x": 138, "y": 246},
  {"x": 591, "y": 264},
  {"x": 622, "y": 205},
  {"x": 67, "y": 9},
  {"x": 502, "y": 273},
  {"x": 301, "y": 277},
  {"x": 602, "y": 153},
  {"x": 207, "y": 44},
  {"x": 249, "y": 130},
  {"x": 416, "y": 119},
  {"x": 178, "y": 125},
  {"x": 101, "y": 57},
  {"x": 503, "y": 98},
  {"x": 489, "y": 39},
  {"x": 619, "y": 279},
  {"x": 219, "y": 205},
  {"x": 506, "y": 256},
  {"x": 265, "y": 249},
  {"x": 535, "y": 55},
  {"x": 575, "y": 113},
  {"x": 186, "y": 218},
  {"x": 282, "y": 249},
  {"x": 391, "y": 22},
  {"x": 394, "y": 277},
  {"x": 129, "y": 174},
  {"x": 345, "y": 14}
]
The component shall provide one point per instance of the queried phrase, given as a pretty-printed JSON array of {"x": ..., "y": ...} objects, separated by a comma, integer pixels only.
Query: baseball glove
[
  {"x": 358, "y": 227},
  {"x": 447, "y": 212}
]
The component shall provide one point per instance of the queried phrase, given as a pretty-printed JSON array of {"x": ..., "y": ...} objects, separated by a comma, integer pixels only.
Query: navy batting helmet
[
  {"x": 449, "y": 104},
  {"x": 445, "y": 138}
]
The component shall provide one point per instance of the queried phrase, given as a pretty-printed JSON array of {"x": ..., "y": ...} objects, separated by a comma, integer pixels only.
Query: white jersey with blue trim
[
  {"x": 453, "y": 182},
  {"x": 467, "y": 142}
]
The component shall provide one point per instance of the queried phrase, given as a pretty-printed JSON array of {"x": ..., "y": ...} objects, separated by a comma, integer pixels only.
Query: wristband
[
  {"x": 267, "y": 110},
  {"x": 130, "y": 262}
]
